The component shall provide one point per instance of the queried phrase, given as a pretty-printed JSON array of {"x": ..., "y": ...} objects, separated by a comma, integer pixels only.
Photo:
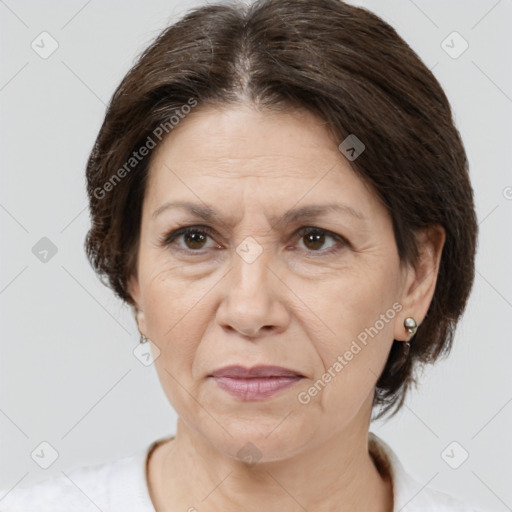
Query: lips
[
  {"x": 240, "y": 372},
  {"x": 256, "y": 383}
]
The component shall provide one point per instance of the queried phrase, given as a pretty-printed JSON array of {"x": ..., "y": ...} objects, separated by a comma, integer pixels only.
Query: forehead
[
  {"x": 240, "y": 139},
  {"x": 263, "y": 157}
]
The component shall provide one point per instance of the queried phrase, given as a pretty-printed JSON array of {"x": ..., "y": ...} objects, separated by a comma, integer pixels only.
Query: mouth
[{"x": 256, "y": 383}]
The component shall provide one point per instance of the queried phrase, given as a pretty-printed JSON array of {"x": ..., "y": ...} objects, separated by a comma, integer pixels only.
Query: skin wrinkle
[{"x": 285, "y": 308}]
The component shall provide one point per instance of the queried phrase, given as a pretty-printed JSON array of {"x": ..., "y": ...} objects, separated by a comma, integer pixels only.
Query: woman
[{"x": 280, "y": 193}]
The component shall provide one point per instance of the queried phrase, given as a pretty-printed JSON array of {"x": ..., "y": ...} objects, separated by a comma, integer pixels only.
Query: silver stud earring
[
  {"x": 143, "y": 338},
  {"x": 411, "y": 325}
]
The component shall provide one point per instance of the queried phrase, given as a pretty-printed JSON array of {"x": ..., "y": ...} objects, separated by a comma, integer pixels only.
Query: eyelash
[{"x": 168, "y": 239}]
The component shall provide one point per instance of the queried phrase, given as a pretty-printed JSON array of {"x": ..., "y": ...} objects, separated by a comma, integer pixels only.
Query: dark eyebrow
[{"x": 209, "y": 215}]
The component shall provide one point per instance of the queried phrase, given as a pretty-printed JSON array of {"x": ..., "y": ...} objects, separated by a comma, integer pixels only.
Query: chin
[{"x": 257, "y": 440}]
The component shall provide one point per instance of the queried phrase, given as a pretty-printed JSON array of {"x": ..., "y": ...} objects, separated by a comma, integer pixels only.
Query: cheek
[
  {"x": 175, "y": 317},
  {"x": 361, "y": 298},
  {"x": 169, "y": 296},
  {"x": 360, "y": 326}
]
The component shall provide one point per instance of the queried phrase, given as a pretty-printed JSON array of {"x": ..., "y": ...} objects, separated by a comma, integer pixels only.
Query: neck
[{"x": 337, "y": 474}]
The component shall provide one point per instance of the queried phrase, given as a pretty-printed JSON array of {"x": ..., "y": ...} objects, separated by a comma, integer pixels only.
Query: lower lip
[{"x": 255, "y": 388}]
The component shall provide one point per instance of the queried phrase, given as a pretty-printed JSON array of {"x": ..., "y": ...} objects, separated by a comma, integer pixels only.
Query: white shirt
[{"x": 121, "y": 486}]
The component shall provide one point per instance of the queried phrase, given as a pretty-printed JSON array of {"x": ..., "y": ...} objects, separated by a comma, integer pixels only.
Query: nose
[{"x": 252, "y": 302}]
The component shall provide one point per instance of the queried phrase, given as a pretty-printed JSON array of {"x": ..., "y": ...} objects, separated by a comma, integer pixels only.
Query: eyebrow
[{"x": 209, "y": 215}]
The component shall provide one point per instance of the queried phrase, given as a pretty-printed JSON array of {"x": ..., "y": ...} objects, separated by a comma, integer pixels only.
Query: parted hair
[{"x": 352, "y": 70}]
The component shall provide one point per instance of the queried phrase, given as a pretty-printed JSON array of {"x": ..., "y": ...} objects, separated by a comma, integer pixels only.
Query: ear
[
  {"x": 138, "y": 312},
  {"x": 420, "y": 279}
]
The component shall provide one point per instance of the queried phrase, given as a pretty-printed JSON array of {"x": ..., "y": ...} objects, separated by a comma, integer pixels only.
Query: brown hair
[{"x": 351, "y": 69}]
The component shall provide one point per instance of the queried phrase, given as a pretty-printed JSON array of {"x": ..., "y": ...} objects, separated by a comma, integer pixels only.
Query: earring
[
  {"x": 143, "y": 338},
  {"x": 411, "y": 325},
  {"x": 404, "y": 346}
]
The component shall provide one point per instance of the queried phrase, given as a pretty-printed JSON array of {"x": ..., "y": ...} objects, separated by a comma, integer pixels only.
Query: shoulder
[
  {"x": 83, "y": 488},
  {"x": 428, "y": 498},
  {"x": 110, "y": 486},
  {"x": 409, "y": 495}
]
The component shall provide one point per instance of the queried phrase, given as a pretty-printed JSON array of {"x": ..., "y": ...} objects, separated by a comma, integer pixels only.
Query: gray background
[{"x": 68, "y": 374}]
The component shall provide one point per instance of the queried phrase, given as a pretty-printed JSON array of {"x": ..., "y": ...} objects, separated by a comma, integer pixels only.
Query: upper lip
[{"x": 262, "y": 371}]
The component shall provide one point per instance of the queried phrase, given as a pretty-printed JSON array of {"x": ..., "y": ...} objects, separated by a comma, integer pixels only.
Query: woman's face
[{"x": 246, "y": 288}]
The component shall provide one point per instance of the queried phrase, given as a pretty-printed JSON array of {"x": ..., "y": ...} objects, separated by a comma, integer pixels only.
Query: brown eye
[
  {"x": 314, "y": 240},
  {"x": 194, "y": 238}
]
